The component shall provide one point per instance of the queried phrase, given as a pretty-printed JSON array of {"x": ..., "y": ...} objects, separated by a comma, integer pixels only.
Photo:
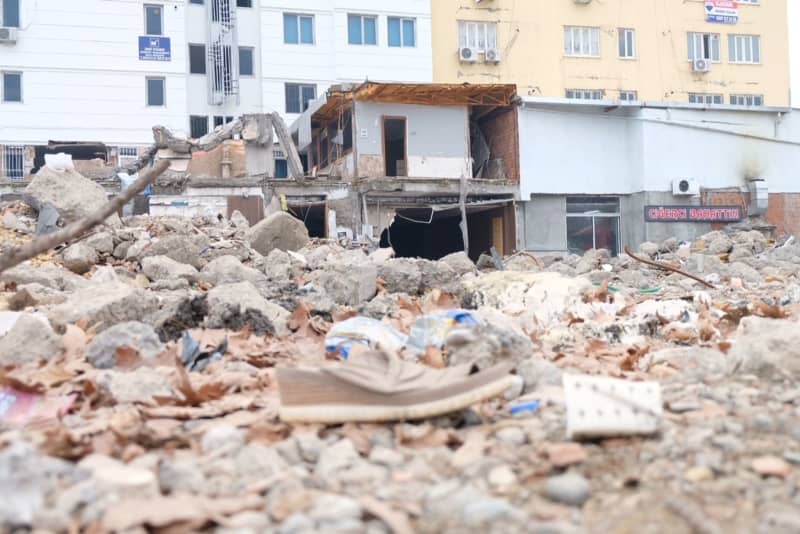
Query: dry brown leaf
[
  {"x": 61, "y": 444},
  {"x": 299, "y": 317},
  {"x": 766, "y": 310},
  {"x": 20, "y": 385},
  {"x": 433, "y": 357},
  {"x": 162, "y": 512},
  {"x": 632, "y": 359},
  {"x": 595, "y": 345},
  {"x": 396, "y": 520},
  {"x": 359, "y": 436},
  {"x": 724, "y": 346},
  {"x": 268, "y": 433},
  {"x": 127, "y": 358},
  {"x": 424, "y": 435}
]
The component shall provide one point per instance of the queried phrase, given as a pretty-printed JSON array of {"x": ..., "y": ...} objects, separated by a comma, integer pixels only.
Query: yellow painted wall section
[{"x": 530, "y": 40}]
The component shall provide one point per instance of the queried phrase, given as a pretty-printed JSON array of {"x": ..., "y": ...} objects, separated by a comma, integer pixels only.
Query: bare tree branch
[
  {"x": 17, "y": 255},
  {"x": 667, "y": 268}
]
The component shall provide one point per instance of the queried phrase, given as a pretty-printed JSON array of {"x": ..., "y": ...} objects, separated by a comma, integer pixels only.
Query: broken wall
[
  {"x": 501, "y": 131},
  {"x": 437, "y": 139}
]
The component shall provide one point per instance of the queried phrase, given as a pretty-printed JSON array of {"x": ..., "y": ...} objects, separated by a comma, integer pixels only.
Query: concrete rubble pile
[{"x": 138, "y": 385}]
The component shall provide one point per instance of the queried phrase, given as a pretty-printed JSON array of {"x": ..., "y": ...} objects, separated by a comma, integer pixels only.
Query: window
[
  {"x": 153, "y": 20},
  {"x": 298, "y": 29},
  {"x": 402, "y": 32},
  {"x": 744, "y": 49},
  {"x": 628, "y": 96},
  {"x": 298, "y": 96},
  {"x": 281, "y": 168},
  {"x": 703, "y": 46},
  {"x": 244, "y": 3},
  {"x": 12, "y": 166},
  {"x": 12, "y": 87},
  {"x": 198, "y": 126},
  {"x": 584, "y": 94},
  {"x": 705, "y": 98},
  {"x": 197, "y": 1},
  {"x": 592, "y": 222},
  {"x": 155, "y": 92},
  {"x": 581, "y": 41},
  {"x": 627, "y": 43},
  {"x": 246, "y": 67},
  {"x": 10, "y": 15},
  {"x": 219, "y": 120},
  {"x": 747, "y": 100},
  {"x": 479, "y": 35},
  {"x": 362, "y": 30},
  {"x": 197, "y": 59}
]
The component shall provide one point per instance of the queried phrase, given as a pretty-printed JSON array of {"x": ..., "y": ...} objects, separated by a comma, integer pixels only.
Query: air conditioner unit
[
  {"x": 583, "y": 1},
  {"x": 701, "y": 65},
  {"x": 468, "y": 55},
  {"x": 8, "y": 35},
  {"x": 492, "y": 56},
  {"x": 685, "y": 188}
]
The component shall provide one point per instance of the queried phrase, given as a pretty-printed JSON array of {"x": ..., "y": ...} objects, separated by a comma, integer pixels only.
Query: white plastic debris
[
  {"x": 59, "y": 162},
  {"x": 605, "y": 407}
]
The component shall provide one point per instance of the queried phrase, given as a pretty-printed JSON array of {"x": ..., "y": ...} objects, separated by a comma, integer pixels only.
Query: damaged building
[{"x": 426, "y": 169}]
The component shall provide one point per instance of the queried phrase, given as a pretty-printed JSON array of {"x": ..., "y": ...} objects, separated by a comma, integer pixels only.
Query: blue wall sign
[{"x": 152, "y": 48}]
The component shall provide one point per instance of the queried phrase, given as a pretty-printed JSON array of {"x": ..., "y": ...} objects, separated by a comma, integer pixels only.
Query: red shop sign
[{"x": 699, "y": 214}]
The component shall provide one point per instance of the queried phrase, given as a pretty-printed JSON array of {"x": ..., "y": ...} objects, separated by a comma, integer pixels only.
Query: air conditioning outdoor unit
[
  {"x": 582, "y": 1},
  {"x": 492, "y": 56},
  {"x": 467, "y": 55},
  {"x": 701, "y": 65},
  {"x": 8, "y": 35},
  {"x": 685, "y": 188}
]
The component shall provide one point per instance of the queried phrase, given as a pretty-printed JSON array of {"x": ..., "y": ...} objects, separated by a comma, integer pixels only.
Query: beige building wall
[{"x": 530, "y": 42}]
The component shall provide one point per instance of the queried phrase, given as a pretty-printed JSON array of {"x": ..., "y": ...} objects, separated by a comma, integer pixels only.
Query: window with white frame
[
  {"x": 127, "y": 155},
  {"x": 628, "y": 96},
  {"x": 362, "y": 30},
  {"x": 584, "y": 94},
  {"x": 402, "y": 32},
  {"x": 298, "y": 29},
  {"x": 593, "y": 223},
  {"x": 744, "y": 49},
  {"x": 703, "y": 46},
  {"x": 12, "y": 166},
  {"x": 705, "y": 98},
  {"x": 747, "y": 100},
  {"x": 581, "y": 41},
  {"x": 627, "y": 43},
  {"x": 481, "y": 36}
]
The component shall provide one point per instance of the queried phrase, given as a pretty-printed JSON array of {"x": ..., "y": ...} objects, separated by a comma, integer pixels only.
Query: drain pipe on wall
[{"x": 462, "y": 200}]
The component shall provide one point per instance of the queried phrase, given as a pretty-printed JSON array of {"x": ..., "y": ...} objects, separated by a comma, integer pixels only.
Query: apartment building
[
  {"x": 692, "y": 51},
  {"x": 106, "y": 71}
]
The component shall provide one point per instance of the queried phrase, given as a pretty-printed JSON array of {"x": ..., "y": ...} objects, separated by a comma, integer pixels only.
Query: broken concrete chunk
[
  {"x": 235, "y": 305},
  {"x": 47, "y": 275},
  {"x": 238, "y": 220},
  {"x": 137, "y": 386},
  {"x": 101, "y": 242},
  {"x": 181, "y": 248},
  {"x": 767, "y": 347},
  {"x": 349, "y": 284},
  {"x": 717, "y": 242},
  {"x": 229, "y": 270},
  {"x": 178, "y": 314},
  {"x": 101, "y": 352},
  {"x": 280, "y": 230},
  {"x": 649, "y": 248},
  {"x": 79, "y": 258},
  {"x": 120, "y": 479},
  {"x": 105, "y": 305},
  {"x": 74, "y": 196},
  {"x": 165, "y": 268},
  {"x": 435, "y": 274},
  {"x": 30, "y": 339},
  {"x": 401, "y": 275},
  {"x": 460, "y": 263}
]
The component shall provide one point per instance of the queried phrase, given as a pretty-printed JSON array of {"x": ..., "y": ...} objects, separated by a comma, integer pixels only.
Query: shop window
[{"x": 593, "y": 222}]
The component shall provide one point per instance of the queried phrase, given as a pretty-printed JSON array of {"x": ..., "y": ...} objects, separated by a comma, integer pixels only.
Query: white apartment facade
[{"x": 108, "y": 70}]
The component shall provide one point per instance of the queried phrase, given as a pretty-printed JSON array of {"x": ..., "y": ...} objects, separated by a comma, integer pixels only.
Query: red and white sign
[{"x": 722, "y": 11}]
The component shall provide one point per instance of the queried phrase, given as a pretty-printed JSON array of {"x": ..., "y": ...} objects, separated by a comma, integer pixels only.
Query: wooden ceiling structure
[{"x": 426, "y": 94}]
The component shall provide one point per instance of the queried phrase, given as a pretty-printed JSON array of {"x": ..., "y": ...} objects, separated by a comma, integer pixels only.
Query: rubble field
[{"x": 138, "y": 391}]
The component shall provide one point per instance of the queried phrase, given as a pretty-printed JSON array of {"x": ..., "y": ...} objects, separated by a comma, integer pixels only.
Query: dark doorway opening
[
  {"x": 422, "y": 233},
  {"x": 314, "y": 217},
  {"x": 394, "y": 145}
]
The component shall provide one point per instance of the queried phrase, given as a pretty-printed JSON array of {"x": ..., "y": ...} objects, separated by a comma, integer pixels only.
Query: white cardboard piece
[{"x": 606, "y": 407}]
